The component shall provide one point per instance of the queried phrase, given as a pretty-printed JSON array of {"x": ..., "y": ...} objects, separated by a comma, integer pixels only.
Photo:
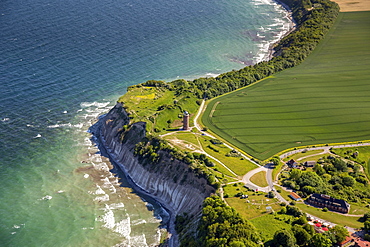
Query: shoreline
[
  {"x": 99, "y": 139},
  {"x": 292, "y": 25}
]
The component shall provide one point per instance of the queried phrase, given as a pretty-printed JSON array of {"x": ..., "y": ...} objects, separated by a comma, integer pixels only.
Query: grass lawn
[
  {"x": 323, "y": 100},
  {"x": 183, "y": 140},
  {"x": 259, "y": 179},
  {"x": 274, "y": 223},
  {"x": 157, "y": 107},
  {"x": 276, "y": 170},
  {"x": 358, "y": 209},
  {"x": 252, "y": 207},
  {"x": 238, "y": 165},
  {"x": 339, "y": 219},
  {"x": 313, "y": 158},
  {"x": 300, "y": 155},
  {"x": 284, "y": 193}
]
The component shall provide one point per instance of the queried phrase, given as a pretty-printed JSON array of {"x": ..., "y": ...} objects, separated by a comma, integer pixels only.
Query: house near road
[
  {"x": 309, "y": 163},
  {"x": 294, "y": 196},
  {"x": 292, "y": 163},
  {"x": 325, "y": 201}
]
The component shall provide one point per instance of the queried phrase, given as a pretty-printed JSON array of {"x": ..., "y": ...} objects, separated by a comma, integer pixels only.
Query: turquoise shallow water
[{"x": 63, "y": 63}]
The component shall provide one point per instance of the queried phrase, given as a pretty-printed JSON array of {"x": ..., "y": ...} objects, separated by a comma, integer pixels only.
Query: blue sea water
[{"x": 62, "y": 64}]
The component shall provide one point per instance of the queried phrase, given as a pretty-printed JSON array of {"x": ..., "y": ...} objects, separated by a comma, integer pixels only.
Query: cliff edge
[{"x": 169, "y": 181}]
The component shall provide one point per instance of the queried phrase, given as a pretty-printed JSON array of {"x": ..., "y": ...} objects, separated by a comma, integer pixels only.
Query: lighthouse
[{"x": 185, "y": 121}]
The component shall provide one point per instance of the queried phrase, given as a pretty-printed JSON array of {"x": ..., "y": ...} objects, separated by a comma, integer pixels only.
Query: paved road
[
  {"x": 201, "y": 109},
  {"x": 284, "y": 155}
]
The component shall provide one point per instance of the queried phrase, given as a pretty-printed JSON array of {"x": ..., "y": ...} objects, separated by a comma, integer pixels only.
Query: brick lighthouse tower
[{"x": 185, "y": 121}]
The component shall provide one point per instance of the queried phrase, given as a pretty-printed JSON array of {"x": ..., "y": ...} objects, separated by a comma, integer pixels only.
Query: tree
[
  {"x": 366, "y": 216},
  {"x": 367, "y": 225},
  {"x": 340, "y": 233},
  {"x": 271, "y": 194},
  {"x": 295, "y": 174},
  {"x": 340, "y": 164},
  {"x": 313, "y": 180},
  {"x": 291, "y": 210},
  {"x": 301, "y": 220},
  {"x": 275, "y": 160},
  {"x": 319, "y": 169},
  {"x": 301, "y": 235},
  {"x": 309, "y": 229},
  {"x": 284, "y": 238},
  {"x": 319, "y": 240},
  {"x": 348, "y": 181}
]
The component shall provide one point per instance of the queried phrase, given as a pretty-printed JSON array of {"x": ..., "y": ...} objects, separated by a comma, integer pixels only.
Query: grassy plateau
[{"x": 323, "y": 100}]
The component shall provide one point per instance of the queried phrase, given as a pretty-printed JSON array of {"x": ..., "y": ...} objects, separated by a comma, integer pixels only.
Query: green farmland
[{"x": 323, "y": 100}]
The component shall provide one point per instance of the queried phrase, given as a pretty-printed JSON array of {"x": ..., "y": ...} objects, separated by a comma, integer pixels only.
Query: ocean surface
[{"x": 64, "y": 63}]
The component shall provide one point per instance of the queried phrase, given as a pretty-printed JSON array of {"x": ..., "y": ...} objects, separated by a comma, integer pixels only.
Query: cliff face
[{"x": 170, "y": 181}]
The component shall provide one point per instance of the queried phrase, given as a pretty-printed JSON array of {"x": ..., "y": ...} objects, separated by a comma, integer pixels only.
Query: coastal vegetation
[
  {"x": 222, "y": 225},
  {"x": 263, "y": 119}
]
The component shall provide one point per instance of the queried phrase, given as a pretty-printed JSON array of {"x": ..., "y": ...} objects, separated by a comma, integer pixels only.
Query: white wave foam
[
  {"x": 97, "y": 104},
  {"x": 122, "y": 227},
  {"x": 79, "y": 125},
  {"x": 99, "y": 191},
  {"x": 87, "y": 142},
  {"x": 96, "y": 158},
  {"x": 104, "y": 198},
  {"x": 138, "y": 222},
  {"x": 47, "y": 197},
  {"x": 116, "y": 205},
  {"x": 138, "y": 241},
  {"x": 212, "y": 75},
  {"x": 101, "y": 166},
  {"x": 108, "y": 185}
]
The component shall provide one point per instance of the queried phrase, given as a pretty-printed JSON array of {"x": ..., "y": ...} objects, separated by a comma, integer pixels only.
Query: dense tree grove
[
  {"x": 332, "y": 176},
  {"x": 222, "y": 226}
]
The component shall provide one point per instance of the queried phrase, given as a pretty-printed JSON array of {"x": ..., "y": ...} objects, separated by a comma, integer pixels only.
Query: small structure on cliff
[{"x": 185, "y": 121}]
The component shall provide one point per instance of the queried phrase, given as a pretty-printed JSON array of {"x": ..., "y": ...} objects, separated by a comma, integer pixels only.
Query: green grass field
[
  {"x": 323, "y": 100},
  {"x": 259, "y": 179}
]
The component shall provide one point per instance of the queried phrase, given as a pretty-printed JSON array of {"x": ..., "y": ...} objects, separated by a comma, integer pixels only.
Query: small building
[
  {"x": 292, "y": 163},
  {"x": 347, "y": 242},
  {"x": 185, "y": 121},
  {"x": 325, "y": 201},
  {"x": 309, "y": 163},
  {"x": 295, "y": 196}
]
